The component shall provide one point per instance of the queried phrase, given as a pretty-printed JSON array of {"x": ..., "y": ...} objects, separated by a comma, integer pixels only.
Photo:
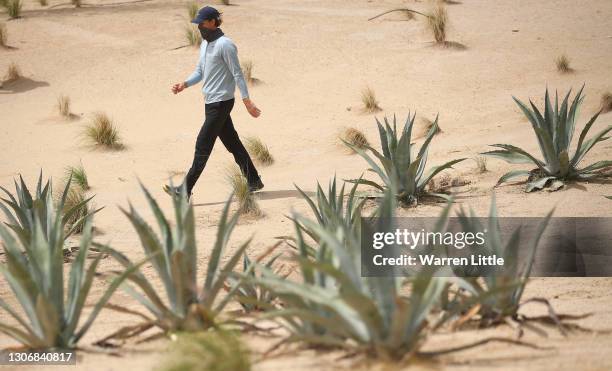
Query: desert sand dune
[{"x": 313, "y": 59}]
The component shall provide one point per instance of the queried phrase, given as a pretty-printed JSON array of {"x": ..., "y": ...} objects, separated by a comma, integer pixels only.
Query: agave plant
[
  {"x": 251, "y": 296},
  {"x": 335, "y": 305},
  {"x": 50, "y": 315},
  {"x": 331, "y": 208},
  {"x": 399, "y": 164},
  {"x": 497, "y": 292},
  {"x": 554, "y": 131},
  {"x": 173, "y": 253},
  {"x": 25, "y": 207}
]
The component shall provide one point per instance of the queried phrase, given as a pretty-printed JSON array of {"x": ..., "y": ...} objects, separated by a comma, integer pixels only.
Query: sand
[{"x": 313, "y": 59}]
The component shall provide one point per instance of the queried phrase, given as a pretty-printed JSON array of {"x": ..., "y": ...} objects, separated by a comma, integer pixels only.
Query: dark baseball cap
[{"x": 205, "y": 14}]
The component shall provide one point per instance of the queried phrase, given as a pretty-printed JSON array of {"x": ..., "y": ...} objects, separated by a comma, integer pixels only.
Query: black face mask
[{"x": 210, "y": 35}]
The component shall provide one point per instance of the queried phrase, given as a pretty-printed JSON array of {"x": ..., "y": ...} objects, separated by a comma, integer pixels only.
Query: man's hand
[
  {"x": 251, "y": 107},
  {"x": 177, "y": 88}
]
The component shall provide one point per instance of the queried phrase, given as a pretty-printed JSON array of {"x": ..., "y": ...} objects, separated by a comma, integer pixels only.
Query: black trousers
[{"x": 218, "y": 123}]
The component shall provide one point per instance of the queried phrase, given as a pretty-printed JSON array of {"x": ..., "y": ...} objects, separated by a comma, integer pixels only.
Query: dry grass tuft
[
  {"x": 207, "y": 351},
  {"x": 192, "y": 10},
  {"x": 247, "y": 205},
  {"x": 481, "y": 164},
  {"x": 76, "y": 3},
  {"x": 354, "y": 137},
  {"x": 13, "y": 73},
  {"x": 247, "y": 71},
  {"x": 440, "y": 184},
  {"x": 76, "y": 195},
  {"x": 63, "y": 105},
  {"x": 427, "y": 124},
  {"x": 606, "y": 102},
  {"x": 13, "y": 8},
  {"x": 102, "y": 132},
  {"x": 563, "y": 64},
  {"x": 368, "y": 98},
  {"x": 79, "y": 176},
  {"x": 437, "y": 20},
  {"x": 192, "y": 35},
  {"x": 258, "y": 151},
  {"x": 3, "y": 35}
]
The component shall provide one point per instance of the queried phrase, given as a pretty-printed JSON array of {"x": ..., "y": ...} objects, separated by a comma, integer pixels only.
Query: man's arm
[
  {"x": 230, "y": 57},
  {"x": 194, "y": 78}
]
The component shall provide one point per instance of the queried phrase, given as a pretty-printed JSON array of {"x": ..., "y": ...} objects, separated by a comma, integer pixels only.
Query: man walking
[{"x": 219, "y": 67}]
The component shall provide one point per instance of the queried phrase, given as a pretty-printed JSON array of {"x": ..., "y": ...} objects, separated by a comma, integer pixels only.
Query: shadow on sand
[
  {"x": 21, "y": 85},
  {"x": 266, "y": 195}
]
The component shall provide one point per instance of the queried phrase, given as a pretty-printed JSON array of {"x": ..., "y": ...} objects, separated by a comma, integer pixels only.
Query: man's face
[{"x": 209, "y": 24}]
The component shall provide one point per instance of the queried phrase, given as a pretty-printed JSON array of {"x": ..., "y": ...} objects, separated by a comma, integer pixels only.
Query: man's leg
[
  {"x": 231, "y": 141},
  {"x": 216, "y": 115}
]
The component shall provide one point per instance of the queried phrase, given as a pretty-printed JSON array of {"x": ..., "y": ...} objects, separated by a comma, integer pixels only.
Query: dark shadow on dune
[
  {"x": 8, "y": 47},
  {"x": 265, "y": 195},
  {"x": 21, "y": 85},
  {"x": 451, "y": 45},
  {"x": 452, "y": 2},
  {"x": 274, "y": 195}
]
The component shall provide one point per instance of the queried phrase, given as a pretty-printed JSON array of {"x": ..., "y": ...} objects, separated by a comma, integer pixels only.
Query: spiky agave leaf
[
  {"x": 173, "y": 253},
  {"x": 21, "y": 208},
  {"x": 35, "y": 274},
  {"x": 398, "y": 165},
  {"x": 554, "y": 130},
  {"x": 335, "y": 305},
  {"x": 251, "y": 296},
  {"x": 500, "y": 289}
]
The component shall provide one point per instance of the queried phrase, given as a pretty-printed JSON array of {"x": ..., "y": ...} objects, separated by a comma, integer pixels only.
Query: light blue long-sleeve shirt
[{"x": 219, "y": 67}]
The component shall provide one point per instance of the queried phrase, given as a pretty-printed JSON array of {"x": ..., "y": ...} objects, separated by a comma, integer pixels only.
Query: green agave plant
[
  {"x": 34, "y": 272},
  {"x": 399, "y": 164},
  {"x": 173, "y": 253},
  {"x": 251, "y": 296},
  {"x": 331, "y": 208},
  {"x": 497, "y": 292},
  {"x": 335, "y": 305},
  {"x": 25, "y": 207},
  {"x": 554, "y": 131}
]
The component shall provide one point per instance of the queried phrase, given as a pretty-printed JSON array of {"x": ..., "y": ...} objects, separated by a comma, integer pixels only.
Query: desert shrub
[
  {"x": 208, "y": 351},
  {"x": 49, "y": 316},
  {"x": 356, "y": 138},
  {"x": 563, "y": 64},
  {"x": 247, "y": 205},
  {"x": 554, "y": 131},
  {"x": 398, "y": 165},
  {"x": 192, "y": 35},
  {"x": 102, "y": 132},
  {"x": 368, "y": 98},
  {"x": 187, "y": 306},
  {"x": 437, "y": 20},
  {"x": 76, "y": 3},
  {"x": 259, "y": 151},
  {"x": 63, "y": 105}
]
